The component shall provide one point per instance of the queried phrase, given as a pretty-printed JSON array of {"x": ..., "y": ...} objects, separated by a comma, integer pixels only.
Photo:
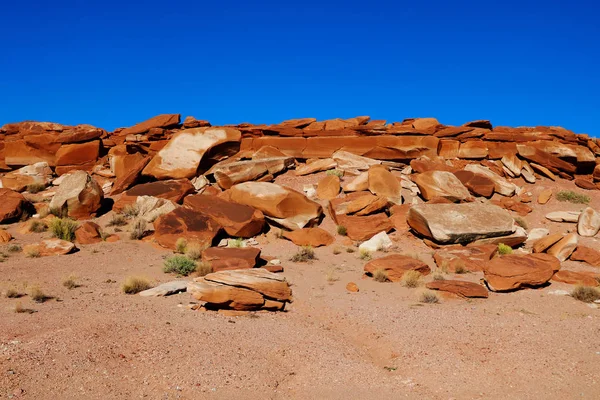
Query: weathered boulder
[
  {"x": 395, "y": 265},
  {"x": 50, "y": 247},
  {"x": 323, "y": 164},
  {"x": 576, "y": 278},
  {"x": 358, "y": 184},
  {"x": 460, "y": 223},
  {"x": 77, "y": 156},
  {"x": 351, "y": 162},
  {"x": 5, "y": 236},
  {"x": 224, "y": 258},
  {"x": 380, "y": 241},
  {"x": 238, "y": 220},
  {"x": 173, "y": 190},
  {"x": 165, "y": 289},
  {"x": 159, "y": 121},
  {"x": 512, "y": 240},
  {"x": 478, "y": 184},
  {"x": 79, "y": 195},
  {"x": 441, "y": 184},
  {"x": 229, "y": 173},
  {"x": 38, "y": 173},
  {"x": 563, "y": 216},
  {"x": 469, "y": 258},
  {"x": 191, "y": 122},
  {"x": 384, "y": 184},
  {"x": 586, "y": 254},
  {"x": 328, "y": 187},
  {"x": 501, "y": 185},
  {"x": 282, "y": 205},
  {"x": 11, "y": 205},
  {"x": 564, "y": 247},
  {"x": 589, "y": 222},
  {"x": 543, "y": 244},
  {"x": 249, "y": 289},
  {"x": 363, "y": 204},
  {"x": 186, "y": 223},
  {"x": 127, "y": 168},
  {"x": 314, "y": 237},
  {"x": 182, "y": 155},
  {"x": 87, "y": 233},
  {"x": 513, "y": 272},
  {"x": 460, "y": 288},
  {"x": 363, "y": 228},
  {"x": 544, "y": 196},
  {"x": 149, "y": 207}
]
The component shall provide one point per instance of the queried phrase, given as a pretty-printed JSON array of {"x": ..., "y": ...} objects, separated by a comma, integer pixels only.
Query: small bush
[
  {"x": 350, "y": 250},
  {"x": 380, "y": 275},
  {"x": 37, "y": 294},
  {"x": 180, "y": 265},
  {"x": 33, "y": 252},
  {"x": 70, "y": 282},
  {"x": 337, "y": 250},
  {"x": 341, "y": 230},
  {"x": 134, "y": 285},
  {"x": 365, "y": 255},
  {"x": 429, "y": 297},
  {"x": 38, "y": 226},
  {"x": 13, "y": 293},
  {"x": 235, "y": 243},
  {"x": 63, "y": 228},
  {"x": 522, "y": 223},
  {"x": 194, "y": 251},
  {"x": 59, "y": 212},
  {"x": 14, "y": 248},
  {"x": 104, "y": 235},
  {"x": 304, "y": 254},
  {"x": 504, "y": 249},
  {"x": 203, "y": 269},
  {"x": 572, "y": 197},
  {"x": 335, "y": 172},
  {"x": 460, "y": 268},
  {"x": 139, "y": 228},
  {"x": 117, "y": 220},
  {"x": 131, "y": 211},
  {"x": 438, "y": 276},
  {"x": 180, "y": 245},
  {"x": 36, "y": 187},
  {"x": 19, "y": 309},
  {"x": 587, "y": 294},
  {"x": 331, "y": 276},
  {"x": 411, "y": 279}
]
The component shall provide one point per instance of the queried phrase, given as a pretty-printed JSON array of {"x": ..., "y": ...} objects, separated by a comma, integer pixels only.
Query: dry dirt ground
[{"x": 95, "y": 342}]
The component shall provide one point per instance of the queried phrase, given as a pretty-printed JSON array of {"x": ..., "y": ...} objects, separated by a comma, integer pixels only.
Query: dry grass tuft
[
  {"x": 365, "y": 255},
  {"x": 304, "y": 254},
  {"x": 181, "y": 245},
  {"x": 131, "y": 211},
  {"x": 14, "y": 248},
  {"x": 350, "y": 250},
  {"x": 438, "y": 276},
  {"x": 13, "y": 293},
  {"x": 134, "y": 285},
  {"x": 33, "y": 252},
  {"x": 117, "y": 220},
  {"x": 38, "y": 226},
  {"x": 203, "y": 269},
  {"x": 587, "y": 294},
  {"x": 429, "y": 297},
  {"x": 194, "y": 251},
  {"x": 63, "y": 228},
  {"x": 19, "y": 309},
  {"x": 411, "y": 279},
  {"x": 139, "y": 229},
  {"x": 37, "y": 295},
  {"x": 70, "y": 282},
  {"x": 335, "y": 172},
  {"x": 380, "y": 275},
  {"x": 337, "y": 250},
  {"x": 36, "y": 187}
]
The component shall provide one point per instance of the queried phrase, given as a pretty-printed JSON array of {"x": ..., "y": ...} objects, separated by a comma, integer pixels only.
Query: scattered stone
[
  {"x": 165, "y": 289},
  {"x": 537, "y": 233},
  {"x": 35, "y": 174},
  {"x": 588, "y": 223},
  {"x": 314, "y": 237},
  {"x": 544, "y": 196},
  {"x": 11, "y": 205},
  {"x": 512, "y": 272},
  {"x": 328, "y": 187},
  {"x": 5, "y": 236},
  {"x": 323, "y": 164},
  {"x": 477, "y": 184},
  {"x": 585, "y": 184},
  {"x": 352, "y": 287},
  {"x": 544, "y": 243},
  {"x": 564, "y": 247},
  {"x": 460, "y": 288},
  {"x": 229, "y": 173},
  {"x": 563, "y": 216},
  {"x": 380, "y": 241},
  {"x": 575, "y": 278},
  {"x": 358, "y": 184},
  {"x": 50, "y": 247},
  {"x": 221, "y": 259},
  {"x": 469, "y": 258},
  {"x": 501, "y": 185},
  {"x": 586, "y": 254},
  {"x": 384, "y": 184},
  {"x": 87, "y": 233},
  {"x": 150, "y": 207},
  {"x": 395, "y": 265},
  {"x": 443, "y": 184}
]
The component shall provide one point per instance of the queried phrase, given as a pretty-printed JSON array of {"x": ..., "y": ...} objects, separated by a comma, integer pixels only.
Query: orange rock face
[
  {"x": 159, "y": 121},
  {"x": 221, "y": 259},
  {"x": 185, "y": 223},
  {"x": 314, "y": 237},
  {"x": 88, "y": 233},
  {"x": 11, "y": 205},
  {"x": 460, "y": 288},
  {"x": 576, "y": 278},
  {"x": 328, "y": 188},
  {"x": 513, "y": 272},
  {"x": 395, "y": 265},
  {"x": 174, "y": 190}
]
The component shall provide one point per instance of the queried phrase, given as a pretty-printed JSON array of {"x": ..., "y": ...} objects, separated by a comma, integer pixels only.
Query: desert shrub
[
  {"x": 587, "y": 294},
  {"x": 438, "y": 276},
  {"x": 504, "y": 249},
  {"x": 33, "y": 252},
  {"x": 304, "y": 254},
  {"x": 522, "y": 223},
  {"x": 63, "y": 228},
  {"x": 331, "y": 276},
  {"x": 350, "y": 250},
  {"x": 36, "y": 187},
  {"x": 429, "y": 297},
  {"x": 335, "y": 172},
  {"x": 139, "y": 228},
  {"x": 38, "y": 226},
  {"x": 14, "y": 248},
  {"x": 19, "y": 309},
  {"x": 134, "y": 284},
  {"x": 180, "y": 265},
  {"x": 70, "y": 282},
  {"x": 380, "y": 275},
  {"x": 235, "y": 243},
  {"x": 37, "y": 295},
  {"x": 131, "y": 211},
  {"x": 411, "y": 279},
  {"x": 365, "y": 255},
  {"x": 341, "y": 230},
  {"x": 117, "y": 220},
  {"x": 460, "y": 267},
  {"x": 572, "y": 197},
  {"x": 180, "y": 245},
  {"x": 12, "y": 293},
  {"x": 59, "y": 212},
  {"x": 203, "y": 269},
  {"x": 337, "y": 250},
  {"x": 194, "y": 251}
]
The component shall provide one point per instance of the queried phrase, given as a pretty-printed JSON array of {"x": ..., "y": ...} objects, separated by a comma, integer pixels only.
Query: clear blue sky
[{"x": 114, "y": 63}]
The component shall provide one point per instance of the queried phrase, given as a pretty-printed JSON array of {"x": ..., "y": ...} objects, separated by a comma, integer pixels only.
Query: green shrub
[
  {"x": 180, "y": 265},
  {"x": 304, "y": 254},
  {"x": 504, "y": 249},
  {"x": 572, "y": 197},
  {"x": 341, "y": 230},
  {"x": 63, "y": 228},
  {"x": 235, "y": 243},
  {"x": 335, "y": 172}
]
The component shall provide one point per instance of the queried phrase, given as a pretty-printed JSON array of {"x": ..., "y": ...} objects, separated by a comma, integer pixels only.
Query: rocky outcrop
[
  {"x": 35, "y": 174},
  {"x": 191, "y": 225},
  {"x": 11, "y": 205},
  {"x": 79, "y": 196},
  {"x": 395, "y": 265},
  {"x": 513, "y": 272},
  {"x": 221, "y": 259},
  {"x": 443, "y": 184},
  {"x": 173, "y": 190},
  {"x": 314, "y": 237}
]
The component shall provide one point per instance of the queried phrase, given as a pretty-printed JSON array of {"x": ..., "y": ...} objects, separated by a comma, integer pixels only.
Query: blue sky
[{"x": 113, "y": 64}]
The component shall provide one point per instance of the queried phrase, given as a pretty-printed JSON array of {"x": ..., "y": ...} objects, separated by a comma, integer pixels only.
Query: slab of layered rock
[
  {"x": 224, "y": 258},
  {"x": 11, "y": 205},
  {"x": 351, "y": 162},
  {"x": 564, "y": 247},
  {"x": 576, "y": 278},
  {"x": 586, "y": 254},
  {"x": 544, "y": 196},
  {"x": 361, "y": 228},
  {"x": 396, "y": 265},
  {"x": 173, "y": 190},
  {"x": 228, "y": 174},
  {"x": 182, "y": 155},
  {"x": 159, "y": 121},
  {"x": 441, "y": 184},
  {"x": 384, "y": 184},
  {"x": 363, "y": 204},
  {"x": 459, "y": 288},
  {"x": 328, "y": 188},
  {"x": 38, "y": 173},
  {"x": 77, "y": 156},
  {"x": 251, "y": 289},
  {"x": 357, "y": 184},
  {"x": 314, "y": 237},
  {"x": 512, "y": 240},
  {"x": 284, "y": 206},
  {"x": 127, "y": 169},
  {"x": 513, "y": 272},
  {"x": 79, "y": 195},
  {"x": 588, "y": 223},
  {"x": 469, "y": 258},
  {"x": 543, "y": 244},
  {"x": 323, "y": 164},
  {"x": 149, "y": 207},
  {"x": 460, "y": 223},
  {"x": 501, "y": 185},
  {"x": 185, "y": 223},
  {"x": 477, "y": 184},
  {"x": 165, "y": 289},
  {"x": 50, "y": 247},
  {"x": 238, "y": 220},
  {"x": 564, "y": 216}
]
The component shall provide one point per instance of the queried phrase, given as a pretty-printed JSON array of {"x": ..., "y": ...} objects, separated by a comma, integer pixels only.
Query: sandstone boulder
[
  {"x": 238, "y": 220},
  {"x": 363, "y": 228},
  {"x": 182, "y": 155},
  {"x": 50, "y": 247},
  {"x": 564, "y": 247},
  {"x": 87, "y": 233},
  {"x": 501, "y": 185},
  {"x": 460, "y": 223},
  {"x": 282, "y": 205},
  {"x": 38, "y": 173},
  {"x": 185, "y": 223},
  {"x": 469, "y": 258},
  {"x": 173, "y": 190},
  {"x": 127, "y": 168},
  {"x": 384, "y": 184},
  {"x": 11, "y": 205},
  {"x": 441, "y": 184},
  {"x": 513, "y": 272},
  {"x": 5, "y": 236},
  {"x": 380, "y": 241},
  {"x": 221, "y": 259},
  {"x": 159, "y": 121},
  {"x": 314, "y": 237},
  {"x": 328, "y": 187},
  {"x": 395, "y": 265},
  {"x": 228, "y": 173},
  {"x": 575, "y": 278},
  {"x": 149, "y": 207},
  {"x": 543, "y": 244},
  {"x": 589, "y": 222},
  {"x": 586, "y": 254},
  {"x": 79, "y": 195},
  {"x": 460, "y": 288},
  {"x": 77, "y": 156},
  {"x": 479, "y": 185},
  {"x": 358, "y": 184}
]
